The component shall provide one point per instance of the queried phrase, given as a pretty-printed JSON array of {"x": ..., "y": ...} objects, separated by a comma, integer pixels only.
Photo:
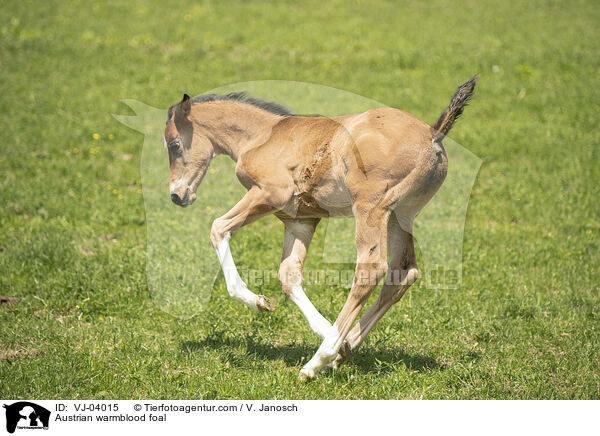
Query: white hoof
[
  {"x": 263, "y": 304},
  {"x": 306, "y": 374}
]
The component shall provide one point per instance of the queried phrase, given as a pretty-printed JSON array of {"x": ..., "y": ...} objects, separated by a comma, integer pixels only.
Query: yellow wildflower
[{"x": 96, "y": 136}]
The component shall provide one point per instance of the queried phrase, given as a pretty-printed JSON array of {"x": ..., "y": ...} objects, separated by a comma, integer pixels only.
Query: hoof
[
  {"x": 337, "y": 362},
  {"x": 343, "y": 354},
  {"x": 306, "y": 375},
  {"x": 345, "y": 351},
  {"x": 263, "y": 304}
]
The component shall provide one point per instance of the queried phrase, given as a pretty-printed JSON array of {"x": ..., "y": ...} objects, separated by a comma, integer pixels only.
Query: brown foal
[{"x": 381, "y": 166}]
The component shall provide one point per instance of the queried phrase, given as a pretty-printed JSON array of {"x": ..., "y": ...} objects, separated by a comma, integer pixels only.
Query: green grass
[{"x": 524, "y": 324}]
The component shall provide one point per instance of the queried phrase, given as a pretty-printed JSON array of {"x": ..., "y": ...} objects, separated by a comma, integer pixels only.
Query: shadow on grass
[
  {"x": 291, "y": 354},
  {"x": 367, "y": 360}
]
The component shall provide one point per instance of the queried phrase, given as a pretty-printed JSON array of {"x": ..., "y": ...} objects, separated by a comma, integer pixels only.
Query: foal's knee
[
  {"x": 290, "y": 274},
  {"x": 217, "y": 233}
]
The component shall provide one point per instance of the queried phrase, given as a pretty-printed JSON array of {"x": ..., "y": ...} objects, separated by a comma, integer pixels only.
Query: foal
[{"x": 381, "y": 166}]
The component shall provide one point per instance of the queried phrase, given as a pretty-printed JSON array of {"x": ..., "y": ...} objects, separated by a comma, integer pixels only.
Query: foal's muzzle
[{"x": 185, "y": 200}]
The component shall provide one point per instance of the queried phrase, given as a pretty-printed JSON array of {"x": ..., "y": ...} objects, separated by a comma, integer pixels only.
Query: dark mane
[{"x": 241, "y": 97}]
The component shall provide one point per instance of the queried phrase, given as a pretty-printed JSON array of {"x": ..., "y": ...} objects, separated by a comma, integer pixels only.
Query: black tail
[{"x": 457, "y": 105}]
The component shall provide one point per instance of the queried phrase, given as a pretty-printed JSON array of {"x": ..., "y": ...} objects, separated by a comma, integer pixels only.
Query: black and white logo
[{"x": 26, "y": 415}]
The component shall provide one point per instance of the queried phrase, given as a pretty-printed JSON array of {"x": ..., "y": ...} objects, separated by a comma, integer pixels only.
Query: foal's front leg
[
  {"x": 250, "y": 208},
  {"x": 371, "y": 264}
]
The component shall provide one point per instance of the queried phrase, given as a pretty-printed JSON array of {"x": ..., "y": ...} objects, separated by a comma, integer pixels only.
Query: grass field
[{"x": 524, "y": 324}]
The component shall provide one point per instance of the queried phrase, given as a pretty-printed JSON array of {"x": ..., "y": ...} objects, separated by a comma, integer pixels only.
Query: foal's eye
[{"x": 175, "y": 145}]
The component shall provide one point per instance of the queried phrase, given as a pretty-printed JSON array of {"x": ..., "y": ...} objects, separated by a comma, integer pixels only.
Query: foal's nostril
[{"x": 175, "y": 199}]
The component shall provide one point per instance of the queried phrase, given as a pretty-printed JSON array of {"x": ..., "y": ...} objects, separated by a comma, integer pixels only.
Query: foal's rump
[{"x": 392, "y": 153}]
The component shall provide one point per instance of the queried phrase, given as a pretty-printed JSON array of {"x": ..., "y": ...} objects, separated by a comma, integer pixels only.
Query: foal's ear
[{"x": 184, "y": 106}]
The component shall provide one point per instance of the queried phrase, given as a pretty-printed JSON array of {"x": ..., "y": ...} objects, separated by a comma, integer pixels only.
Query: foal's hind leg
[
  {"x": 371, "y": 264},
  {"x": 401, "y": 274},
  {"x": 250, "y": 208},
  {"x": 297, "y": 237}
]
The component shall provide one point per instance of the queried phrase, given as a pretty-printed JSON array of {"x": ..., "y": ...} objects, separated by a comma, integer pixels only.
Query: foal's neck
[{"x": 234, "y": 127}]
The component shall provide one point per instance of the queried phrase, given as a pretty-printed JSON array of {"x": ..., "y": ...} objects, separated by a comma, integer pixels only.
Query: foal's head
[{"x": 189, "y": 154}]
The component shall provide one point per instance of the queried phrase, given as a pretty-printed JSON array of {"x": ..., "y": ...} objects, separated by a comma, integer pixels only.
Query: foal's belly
[
  {"x": 329, "y": 198},
  {"x": 335, "y": 198}
]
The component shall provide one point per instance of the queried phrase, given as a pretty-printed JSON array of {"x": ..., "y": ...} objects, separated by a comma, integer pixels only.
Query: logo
[{"x": 26, "y": 415}]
